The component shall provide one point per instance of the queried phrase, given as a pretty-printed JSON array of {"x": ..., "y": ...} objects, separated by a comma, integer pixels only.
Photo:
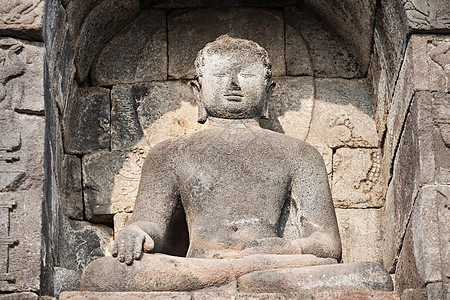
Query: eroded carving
[
  {"x": 5, "y": 240},
  {"x": 21, "y": 12},
  {"x": 12, "y": 65}
]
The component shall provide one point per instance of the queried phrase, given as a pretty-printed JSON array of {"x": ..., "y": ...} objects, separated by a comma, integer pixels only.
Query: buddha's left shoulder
[{"x": 290, "y": 143}]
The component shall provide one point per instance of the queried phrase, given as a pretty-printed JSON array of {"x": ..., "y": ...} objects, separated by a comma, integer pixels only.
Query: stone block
[
  {"x": 291, "y": 106},
  {"x": 360, "y": 231},
  {"x": 352, "y": 21},
  {"x": 356, "y": 178},
  {"x": 342, "y": 115},
  {"x": 424, "y": 254},
  {"x": 190, "y": 31},
  {"x": 10, "y": 133},
  {"x": 20, "y": 296},
  {"x": 438, "y": 290},
  {"x": 99, "y": 26},
  {"x": 71, "y": 187},
  {"x": 165, "y": 109},
  {"x": 65, "y": 280},
  {"x": 361, "y": 295},
  {"x": 22, "y": 19},
  {"x": 22, "y": 175},
  {"x": 420, "y": 72},
  {"x": 138, "y": 53},
  {"x": 427, "y": 15},
  {"x": 414, "y": 294},
  {"x": 22, "y": 75},
  {"x": 421, "y": 158},
  {"x": 87, "y": 121},
  {"x": 111, "y": 181},
  {"x": 80, "y": 243},
  {"x": 313, "y": 49},
  {"x": 126, "y": 130}
]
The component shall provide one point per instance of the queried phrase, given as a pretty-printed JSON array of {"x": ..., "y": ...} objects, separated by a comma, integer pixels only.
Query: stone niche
[{"x": 119, "y": 76}]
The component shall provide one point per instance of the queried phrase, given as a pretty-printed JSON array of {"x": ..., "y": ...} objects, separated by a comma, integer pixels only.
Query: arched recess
[{"x": 117, "y": 84}]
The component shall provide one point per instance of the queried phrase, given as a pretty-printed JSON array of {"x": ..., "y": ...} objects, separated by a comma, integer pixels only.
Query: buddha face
[{"x": 233, "y": 85}]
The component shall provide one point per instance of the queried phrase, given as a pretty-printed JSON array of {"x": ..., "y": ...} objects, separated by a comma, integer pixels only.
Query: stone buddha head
[{"x": 234, "y": 79}]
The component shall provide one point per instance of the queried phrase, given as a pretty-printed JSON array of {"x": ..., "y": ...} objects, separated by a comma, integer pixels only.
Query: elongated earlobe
[
  {"x": 202, "y": 114},
  {"x": 265, "y": 109}
]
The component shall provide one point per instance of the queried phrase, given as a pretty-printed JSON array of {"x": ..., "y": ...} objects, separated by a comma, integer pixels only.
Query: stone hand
[{"x": 129, "y": 244}]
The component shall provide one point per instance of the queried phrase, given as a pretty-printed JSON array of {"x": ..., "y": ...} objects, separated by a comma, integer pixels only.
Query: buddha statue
[{"x": 237, "y": 182}]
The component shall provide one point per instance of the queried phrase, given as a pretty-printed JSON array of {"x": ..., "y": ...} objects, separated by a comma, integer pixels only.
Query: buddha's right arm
[{"x": 156, "y": 200}]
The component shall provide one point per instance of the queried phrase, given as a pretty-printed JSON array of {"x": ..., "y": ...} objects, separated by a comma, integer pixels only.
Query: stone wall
[
  {"x": 365, "y": 82},
  {"x": 21, "y": 146}
]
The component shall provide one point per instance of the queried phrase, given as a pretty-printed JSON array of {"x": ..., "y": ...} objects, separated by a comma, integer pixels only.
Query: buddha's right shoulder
[{"x": 179, "y": 142}]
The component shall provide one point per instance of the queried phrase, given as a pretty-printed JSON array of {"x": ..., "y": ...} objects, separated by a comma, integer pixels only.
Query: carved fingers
[{"x": 130, "y": 243}]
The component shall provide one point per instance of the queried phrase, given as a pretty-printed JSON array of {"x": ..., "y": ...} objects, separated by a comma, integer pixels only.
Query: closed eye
[
  {"x": 247, "y": 75},
  {"x": 220, "y": 75}
]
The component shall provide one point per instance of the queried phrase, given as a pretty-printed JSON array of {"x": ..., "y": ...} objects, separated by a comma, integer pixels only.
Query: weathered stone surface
[
  {"x": 360, "y": 231},
  {"x": 342, "y": 115},
  {"x": 71, "y": 188},
  {"x": 352, "y": 20},
  {"x": 111, "y": 180},
  {"x": 419, "y": 72},
  {"x": 427, "y": 15},
  {"x": 165, "y": 109},
  {"x": 415, "y": 294},
  {"x": 65, "y": 280},
  {"x": 138, "y": 53},
  {"x": 87, "y": 121},
  {"x": 126, "y": 130},
  {"x": 356, "y": 178},
  {"x": 21, "y": 75},
  {"x": 438, "y": 290},
  {"x": 349, "y": 277},
  {"x": 21, "y": 19},
  {"x": 291, "y": 106},
  {"x": 187, "y": 35},
  {"x": 214, "y": 3},
  {"x": 82, "y": 242},
  {"x": 367, "y": 295},
  {"x": 421, "y": 158},
  {"x": 60, "y": 68},
  {"x": 20, "y": 296},
  {"x": 10, "y": 133},
  {"x": 21, "y": 208},
  {"x": 121, "y": 220},
  {"x": 99, "y": 26},
  {"x": 421, "y": 260},
  {"x": 313, "y": 49}
]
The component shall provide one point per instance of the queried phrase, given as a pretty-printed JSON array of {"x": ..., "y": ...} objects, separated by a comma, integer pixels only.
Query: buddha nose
[{"x": 233, "y": 83}]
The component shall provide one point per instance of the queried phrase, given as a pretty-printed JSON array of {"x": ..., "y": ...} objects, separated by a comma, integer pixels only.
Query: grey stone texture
[
  {"x": 361, "y": 237},
  {"x": 22, "y": 19},
  {"x": 83, "y": 243},
  {"x": 426, "y": 14},
  {"x": 417, "y": 74},
  {"x": 72, "y": 197},
  {"x": 424, "y": 257},
  {"x": 21, "y": 200},
  {"x": 110, "y": 184},
  {"x": 353, "y": 22},
  {"x": 138, "y": 53},
  {"x": 20, "y": 296},
  {"x": 356, "y": 178},
  {"x": 22, "y": 63},
  {"x": 313, "y": 49},
  {"x": 366, "y": 295},
  {"x": 421, "y": 158},
  {"x": 342, "y": 115},
  {"x": 87, "y": 121},
  {"x": 99, "y": 26},
  {"x": 189, "y": 31}
]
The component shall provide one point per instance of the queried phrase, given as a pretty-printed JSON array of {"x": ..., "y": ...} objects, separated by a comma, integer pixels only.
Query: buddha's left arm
[{"x": 312, "y": 206}]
